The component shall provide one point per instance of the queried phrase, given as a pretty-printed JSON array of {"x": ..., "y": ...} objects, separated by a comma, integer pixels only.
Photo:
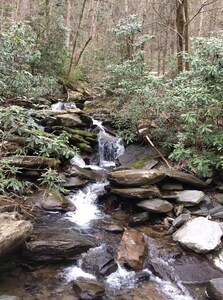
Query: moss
[
  {"x": 84, "y": 147},
  {"x": 141, "y": 163}
]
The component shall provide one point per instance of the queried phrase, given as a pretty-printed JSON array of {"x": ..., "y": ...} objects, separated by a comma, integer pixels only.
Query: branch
[
  {"x": 200, "y": 9},
  {"x": 163, "y": 158},
  {"x": 172, "y": 29}
]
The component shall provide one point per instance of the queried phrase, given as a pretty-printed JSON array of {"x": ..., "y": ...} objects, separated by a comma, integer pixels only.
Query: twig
[{"x": 163, "y": 158}]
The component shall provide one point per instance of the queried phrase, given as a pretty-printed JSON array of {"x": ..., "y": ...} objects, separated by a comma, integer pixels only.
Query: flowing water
[
  {"x": 85, "y": 200},
  {"x": 44, "y": 284}
]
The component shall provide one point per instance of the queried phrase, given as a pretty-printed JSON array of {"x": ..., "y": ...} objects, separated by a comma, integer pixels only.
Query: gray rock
[
  {"x": 139, "y": 218},
  {"x": 13, "y": 234},
  {"x": 199, "y": 235},
  {"x": 55, "y": 201},
  {"x": 156, "y": 205},
  {"x": 135, "y": 178},
  {"x": 178, "y": 222},
  {"x": 113, "y": 228},
  {"x": 137, "y": 193},
  {"x": 74, "y": 182},
  {"x": 89, "y": 174},
  {"x": 56, "y": 247},
  {"x": 219, "y": 197},
  {"x": 138, "y": 153},
  {"x": 172, "y": 187},
  {"x": 190, "y": 197},
  {"x": 68, "y": 120},
  {"x": 88, "y": 289},
  {"x": 215, "y": 289},
  {"x": 99, "y": 262},
  {"x": 184, "y": 177}
]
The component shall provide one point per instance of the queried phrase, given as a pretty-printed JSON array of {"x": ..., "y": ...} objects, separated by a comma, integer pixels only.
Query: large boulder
[
  {"x": 215, "y": 289},
  {"x": 199, "y": 235},
  {"x": 99, "y": 261},
  {"x": 190, "y": 197},
  {"x": 57, "y": 247},
  {"x": 138, "y": 193},
  {"x": 13, "y": 233},
  {"x": 50, "y": 200},
  {"x": 135, "y": 178},
  {"x": 132, "y": 249},
  {"x": 156, "y": 205}
]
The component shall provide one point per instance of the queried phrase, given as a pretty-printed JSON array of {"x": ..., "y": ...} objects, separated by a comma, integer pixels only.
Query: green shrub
[
  {"x": 18, "y": 54},
  {"x": 197, "y": 95}
]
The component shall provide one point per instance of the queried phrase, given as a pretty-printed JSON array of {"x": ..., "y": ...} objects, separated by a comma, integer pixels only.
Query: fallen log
[{"x": 30, "y": 162}]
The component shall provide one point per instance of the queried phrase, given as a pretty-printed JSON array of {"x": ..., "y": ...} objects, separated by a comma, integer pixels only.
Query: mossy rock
[
  {"x": 140, "y": 163},
  {"x": 84, "y": 147}
]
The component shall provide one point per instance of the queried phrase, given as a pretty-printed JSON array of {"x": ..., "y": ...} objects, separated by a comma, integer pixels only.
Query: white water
[
  {"x": 122, "y": 278},
  {"x": 85, "y": 202},
  {"x": 73, "y": 272},
  {"x": 63, "y": 106}
]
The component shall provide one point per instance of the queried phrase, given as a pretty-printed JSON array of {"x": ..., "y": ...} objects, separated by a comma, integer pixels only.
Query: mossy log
[
  {"x": 84, "y": 147},
  {"x": 30, "y": 162}
]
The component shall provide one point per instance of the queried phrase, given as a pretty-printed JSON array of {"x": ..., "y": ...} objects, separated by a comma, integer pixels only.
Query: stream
[{"x": 157, "y": 281}]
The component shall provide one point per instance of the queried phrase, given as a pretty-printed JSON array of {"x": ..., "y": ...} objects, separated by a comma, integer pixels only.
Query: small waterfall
[
  {"x": 85, "y": 202},
  {"x": 85, "y": 199},
  {"x": 110, "y": 147},
  {"x": 63, "y": 106}
]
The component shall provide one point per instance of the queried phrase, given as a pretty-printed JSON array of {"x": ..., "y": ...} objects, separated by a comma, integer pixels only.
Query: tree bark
[{"x": 75, "y": 40}]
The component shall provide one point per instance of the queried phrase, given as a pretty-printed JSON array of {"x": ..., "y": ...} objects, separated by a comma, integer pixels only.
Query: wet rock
[
  {"x": 172, "y": 187},
  {"x": 156, "y": 205},
  {"x": 191, "y": 268},
  {"x": 146, "y": 291},
  {"x": 89, "y": 174},
  {"x": 219, "y": 197},
  {"x": 132, "y": 249},
  {"x": 113, "y": 228},
  {"x": 199, "y": 235},
  {"x": 13, "y": 233},
  {"x": 184, "y": 177},
  {"x": 215, "y": 289},
  {"x": 55, "y": 247},
  {"x": 190, "y": 197},
  {"x": 50, "y": 201},
  {"x": 68, "y": 120},
  {"x": 88, "y": 289},
  {"x": 55, "y": 201},
  {"x": 135, "y": 178},
  {"x": 74, "y": 182},
  {"x": 178, "y": 222},
  {"x": 138, "y": 193},
  {"x": 138, "y": 219},
  {"x": 99, "y": 261}
]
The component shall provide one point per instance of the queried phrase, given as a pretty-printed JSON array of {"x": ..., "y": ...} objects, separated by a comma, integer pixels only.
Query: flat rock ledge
[
  {"x": 55, "y": 248},
  {"x": 199, "y": 235},
  {"x": 190, "y": 197},
  {"x": 135, "y": 178},
  {"x": 13, "y": 233}
]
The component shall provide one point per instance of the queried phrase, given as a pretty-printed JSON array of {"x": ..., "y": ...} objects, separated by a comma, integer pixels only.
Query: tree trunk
[
  {"x": 75, "y": 40},
  {"x": 182, "y": 37}
]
